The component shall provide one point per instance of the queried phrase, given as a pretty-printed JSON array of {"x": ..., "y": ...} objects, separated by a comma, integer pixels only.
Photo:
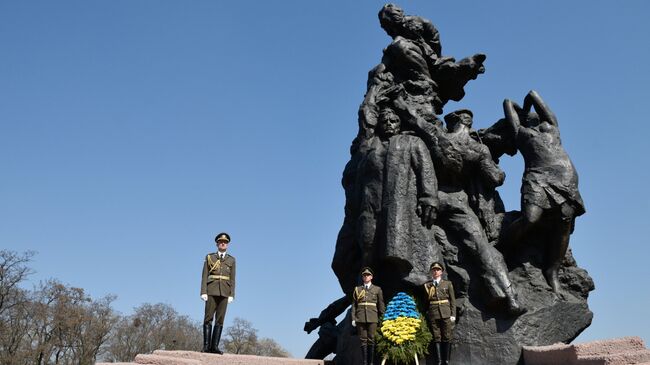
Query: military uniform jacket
[
  {"x": 367, "y": 304},
  {"x": 442, "y": 300},
  {"x": 218, "y": 278}
]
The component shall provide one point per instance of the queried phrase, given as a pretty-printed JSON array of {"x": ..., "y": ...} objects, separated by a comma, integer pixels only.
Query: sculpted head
[
  {"x": 531, "y": 120},
  {"x": 389, "y": 123},
  {"x": 458, "y": 118},
  {"x": 390, "y": 18}
]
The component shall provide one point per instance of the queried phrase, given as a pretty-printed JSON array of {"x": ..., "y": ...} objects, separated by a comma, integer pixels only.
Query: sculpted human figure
[
  {"x": 391, "y": 200},
  {"x": 459, "y": 159},
  {"x": 414, "y": 58},
  {"x": 549, "y": 184}
]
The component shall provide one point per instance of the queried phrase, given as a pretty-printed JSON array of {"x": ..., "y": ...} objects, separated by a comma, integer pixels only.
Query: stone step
[
  {"x": 612, "y": 346},
  {"x": 626, "y": 358},
  {"x": 231, "y": 359},
  {"x": 558, "y": 353},
  {"x": 618, "y": 351},
  {"x": 164, "y": 360}
]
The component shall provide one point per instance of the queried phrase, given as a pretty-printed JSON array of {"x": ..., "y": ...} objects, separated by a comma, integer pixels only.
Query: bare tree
[
  {"x": 66, "y": 325},
  {"x": 13, "y": 306},
  {"x": 241, "y": 338},
  {"x": 268, "y": 347},
  {"x": 13, "y": 270},
  {"x": 152, "y": 327},
  {"x": 58, "y": 324}
]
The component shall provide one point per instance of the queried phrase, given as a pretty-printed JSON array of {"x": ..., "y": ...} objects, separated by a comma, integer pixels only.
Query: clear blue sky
[{"x": 131, "y": 132}]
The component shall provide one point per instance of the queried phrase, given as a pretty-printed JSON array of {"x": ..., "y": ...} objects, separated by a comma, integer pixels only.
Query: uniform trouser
[
  {"x": 441, "y": 329},
  {"x": 215, "y": 307},
  {"x": 367, "y": 333}
]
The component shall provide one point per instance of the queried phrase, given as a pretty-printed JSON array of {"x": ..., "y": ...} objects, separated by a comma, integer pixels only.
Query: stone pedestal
[
  {"x": 620, "y": 351},
  {"x": 161, "y": 357}
]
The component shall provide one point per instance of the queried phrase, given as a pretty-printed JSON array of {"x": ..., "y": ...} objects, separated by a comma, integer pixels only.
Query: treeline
[{"x": 58, "y": 324}]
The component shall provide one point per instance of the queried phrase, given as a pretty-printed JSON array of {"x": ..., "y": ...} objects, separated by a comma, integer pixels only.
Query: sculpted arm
[
  {"x": 490, "y": 171},
  {"x": 432, "y": 37},
  {"x": 512, "y": 117},
  {"x": 545, "y": 113},
  {"x": 426, "y": 182}
]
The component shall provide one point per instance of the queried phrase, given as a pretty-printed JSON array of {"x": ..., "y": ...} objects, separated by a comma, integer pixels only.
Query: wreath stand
[{"x": 415, "y": 356}]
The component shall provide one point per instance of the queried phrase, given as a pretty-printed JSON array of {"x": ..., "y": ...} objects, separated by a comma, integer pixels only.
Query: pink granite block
[
  {"x": 558, "y": 353},
  {"x": 623, "y": 358},
  {"x": 164, "y": 360},
  {"x": 230, "y": 359},
  {"x": 611, "y": 346}
]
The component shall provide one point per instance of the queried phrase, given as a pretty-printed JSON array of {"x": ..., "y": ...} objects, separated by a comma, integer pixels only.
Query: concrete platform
[
  {"x": 161, "y": 357},
  {"x": 619, "y": 351}
]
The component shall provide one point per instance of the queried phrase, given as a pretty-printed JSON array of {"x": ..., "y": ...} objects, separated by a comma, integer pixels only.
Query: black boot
[
  {"x": 364, "y": 355},
  {"x": 445, "y": 352},
  {"x": 437, "y": 358},
  {"x": 371, "y": 354},
  {"x": 216, "y": 336},
  {"x": 207, "y": 331}
]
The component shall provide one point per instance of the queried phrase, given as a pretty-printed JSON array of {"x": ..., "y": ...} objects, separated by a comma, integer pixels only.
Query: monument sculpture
[{"x": 419, "y": 190}]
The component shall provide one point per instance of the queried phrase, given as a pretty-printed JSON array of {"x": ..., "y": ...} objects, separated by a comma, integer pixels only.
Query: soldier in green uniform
[
  {"x": 367, "y": 307},
  {"x": 217, "y": 290},
  {"x": 441, "y": 313}
]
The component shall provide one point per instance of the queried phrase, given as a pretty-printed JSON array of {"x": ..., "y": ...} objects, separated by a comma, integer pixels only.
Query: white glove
[
  {"x": 204, "y": 297},
  {"x": 453, "y": 319},
  {"x": 354, "y": 324},
  {"x": 230, "y": 299}
]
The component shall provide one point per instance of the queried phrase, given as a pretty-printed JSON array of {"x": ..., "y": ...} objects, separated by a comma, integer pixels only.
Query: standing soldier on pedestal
[
  {"x": 441, "y": 313},
  {"x": 217, "y": 290},
  {"x": 367, "y": 307}
]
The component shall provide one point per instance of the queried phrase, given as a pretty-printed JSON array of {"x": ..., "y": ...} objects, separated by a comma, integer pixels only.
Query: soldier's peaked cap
[
  {"x": 223, "y": 236},
  {"x": 437, "y": 265},
  {"x": 454, "y": 116},
  {"x": 366, "y": 270}
]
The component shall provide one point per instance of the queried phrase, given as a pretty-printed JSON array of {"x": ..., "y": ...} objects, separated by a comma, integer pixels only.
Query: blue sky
[{"x": 131, "y": 132}]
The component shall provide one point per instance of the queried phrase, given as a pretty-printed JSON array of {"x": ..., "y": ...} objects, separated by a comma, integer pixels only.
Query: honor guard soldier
[
  {"x": 217, "y": 290},
  {"x": 367, "y": 308},
  {"x": 441, "y": 313}
]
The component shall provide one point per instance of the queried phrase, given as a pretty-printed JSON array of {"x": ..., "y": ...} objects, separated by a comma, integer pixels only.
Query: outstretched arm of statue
[{"x": 545, "y": 113}]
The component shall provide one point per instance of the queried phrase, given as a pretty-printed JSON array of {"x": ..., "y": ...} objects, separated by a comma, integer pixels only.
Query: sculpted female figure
[{"x": 550, "y": 182}]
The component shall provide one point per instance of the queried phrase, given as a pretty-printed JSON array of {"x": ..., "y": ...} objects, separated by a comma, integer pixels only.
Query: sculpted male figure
[
  {"x": 415, "y": 59},
  {"x": 398, "y": 201},
  {"x": 217, "y": 290},
  {"x": 392, "y": 203},
  {"x": 459, "y": 159}
]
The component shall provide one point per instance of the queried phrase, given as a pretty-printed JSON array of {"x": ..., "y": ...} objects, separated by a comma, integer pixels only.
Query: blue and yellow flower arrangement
[{"x": 403, "y": 333}]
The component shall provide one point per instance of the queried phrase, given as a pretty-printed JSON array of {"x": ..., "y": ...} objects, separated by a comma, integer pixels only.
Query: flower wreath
[{"x": 403, "y": 334}]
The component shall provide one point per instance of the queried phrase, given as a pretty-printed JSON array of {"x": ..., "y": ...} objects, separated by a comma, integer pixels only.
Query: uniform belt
[
  {"x": 218, "y": 277},
  {"x": 439, "y": 301},
  {"x": 371, "y": 304}
]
